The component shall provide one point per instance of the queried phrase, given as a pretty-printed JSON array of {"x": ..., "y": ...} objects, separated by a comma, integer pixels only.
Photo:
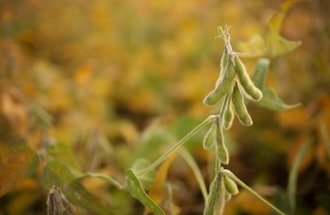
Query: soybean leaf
[
  {"x": 271, "y": 101},
  {"x": 145, "y": 179},
  {"x": 137, "y": 191},
  {"x": 276, "y": 44},
  {"x": 272, "y": 44}
]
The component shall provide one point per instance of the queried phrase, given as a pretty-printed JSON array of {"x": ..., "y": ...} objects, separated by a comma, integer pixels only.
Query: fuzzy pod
[
  {"x": 223, "y": 85},
  {"x": 240, "y": 108},
  {"x": 246, "y": 81},
  {"x": 221, "y": 149},
  {"x": 228, "y": 117},
  {"x": 230, "y": 185},
  {"x": 210, "y": 138},
  {"x": 224, "y": 61}
]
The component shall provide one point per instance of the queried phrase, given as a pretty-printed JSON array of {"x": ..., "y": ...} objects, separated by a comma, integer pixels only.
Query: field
[{"x": 91, "y": 92}]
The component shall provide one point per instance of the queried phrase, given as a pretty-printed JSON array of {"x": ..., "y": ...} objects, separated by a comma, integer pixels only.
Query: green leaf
[
  {"x": 137, "y": 191},
  {"x": 272, "y": 44},
  {"x": 271, "y": 101},
  {"x": 145, "y": 179},
  {"x": 275, "y": 43}
]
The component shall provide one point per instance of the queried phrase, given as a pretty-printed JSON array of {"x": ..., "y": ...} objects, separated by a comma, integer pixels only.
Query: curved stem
[
  {"x": 175, "y": 147},
  {"x": 194, "y": 167}
]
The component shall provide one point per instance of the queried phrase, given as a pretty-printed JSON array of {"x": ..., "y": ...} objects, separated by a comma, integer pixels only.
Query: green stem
[
  {"x": 292, "y": 182},
  {"x": 241, "y": 183},
  {"x": 176, "y": 146},
  {"x": 194, "y": 167},
  {"x": 221, "y": 202}
]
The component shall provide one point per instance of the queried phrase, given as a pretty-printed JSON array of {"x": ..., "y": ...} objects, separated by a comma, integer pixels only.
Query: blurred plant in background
[{"x": 93, "y": 86}]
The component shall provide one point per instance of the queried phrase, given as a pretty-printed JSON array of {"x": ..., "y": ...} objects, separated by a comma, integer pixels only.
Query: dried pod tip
[{"x": 57, "y": 204}]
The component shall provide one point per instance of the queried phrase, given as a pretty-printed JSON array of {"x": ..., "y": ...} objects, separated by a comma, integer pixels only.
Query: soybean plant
[{"x": 232, "y": 90}]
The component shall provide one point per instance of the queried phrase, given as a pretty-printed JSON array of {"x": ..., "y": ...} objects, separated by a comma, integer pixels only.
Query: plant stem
[
  {"x": 241, "y": 183},
  {"x": 292, "y": 182},
  {"x": 176, "y": 146},
  {"x": 194, "y": 167}
]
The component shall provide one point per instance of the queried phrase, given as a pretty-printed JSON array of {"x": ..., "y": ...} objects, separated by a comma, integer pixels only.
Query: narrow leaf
[
  {"x": 137, "y": 191},
  {"x": 292, "y": 183}
]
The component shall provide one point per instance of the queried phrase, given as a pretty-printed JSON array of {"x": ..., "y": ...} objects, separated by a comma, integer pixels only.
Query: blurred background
[{"x": 99, "y": 84}]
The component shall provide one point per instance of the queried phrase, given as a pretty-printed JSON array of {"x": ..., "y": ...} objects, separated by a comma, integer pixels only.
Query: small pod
[
  {"x": 221, "y": 152},
  {"x": 209, "y": 138},
  {"x": 240, "y": 108},
  {"x": 227, "y": 196},
  {"x": 222, "y": 86},
  {"x": 246, "y": 81},
  {"x": 228, "y": 116},
  {"x": 231, "y": 186}
]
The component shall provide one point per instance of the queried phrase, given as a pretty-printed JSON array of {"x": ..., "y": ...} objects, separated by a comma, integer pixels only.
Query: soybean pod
[
  {"x": 228, "y": 116},
  {"x": 209, "y": 138},
  {"x": 224, "y": 61},
  {"x": 222, "y": 86},
  {"x": 221, "y": 149},
  {"x": 246, "y": 81},
  {"x": 240, "y": 108}
]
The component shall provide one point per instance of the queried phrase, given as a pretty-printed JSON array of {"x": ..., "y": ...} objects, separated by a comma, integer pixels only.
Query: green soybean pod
[
  {"x": 246, "y": 81},
  {"x": 228, "y": 117},
  {"x": 222, "y": 86},
  {"x": 209, "y": 138},
  {"x": 224, "y": 61},
  {"x": 240, "y": 108},
  {"x": 221, "y": 151},
  {"x": 230, "y": 185}
]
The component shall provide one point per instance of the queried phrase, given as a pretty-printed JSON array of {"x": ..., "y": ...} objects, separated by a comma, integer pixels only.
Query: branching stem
[{"x": 176, "y": 146}]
